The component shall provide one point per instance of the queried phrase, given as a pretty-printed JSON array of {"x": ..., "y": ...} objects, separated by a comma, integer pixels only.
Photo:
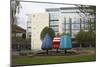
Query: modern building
[
  {"x": 64, "y": 19},
  {"x": 39, "y": 21},
  {"x": 68, "y": 20}
]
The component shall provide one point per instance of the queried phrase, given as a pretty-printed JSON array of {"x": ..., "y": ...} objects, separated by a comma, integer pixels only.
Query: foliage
[
  {"x": 45, "y": 31},
  {"x": 91, "y": 38},
  {"x": 91, "y": 26},
  {"x": 86, "y": 38},
  {"x": 17, "y": 40},
  {"x": 86, "y": 8},
  {"x": 15, "y": 5},
  {"x": 80, "y": 37},
  {"x": 20, "y": 43}
]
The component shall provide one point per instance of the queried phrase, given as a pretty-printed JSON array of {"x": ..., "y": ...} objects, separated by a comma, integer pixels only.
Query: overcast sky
[{"x": 30, "y": 7}]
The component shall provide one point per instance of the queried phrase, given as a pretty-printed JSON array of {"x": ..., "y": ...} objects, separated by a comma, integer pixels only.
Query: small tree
[
  {"x": 86, "y": 38},
  {"x": 66, "y": 42},
  {"x": 47, "y": 43},
  {"x": 80, "y": 37},
  {"x": 45, "y": 31},
  {"x": 91, "y": 38}
]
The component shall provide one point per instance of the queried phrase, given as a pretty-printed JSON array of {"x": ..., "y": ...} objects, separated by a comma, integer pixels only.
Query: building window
[
  {"x": 54, "y": 16},
  {"x": 65, "y": 26},
  {"x": 76, "y": 26},
  {"x": 55, "y": 29},
  {"x": 85, "y": 26},
  {"x": 53, "y": 22}
]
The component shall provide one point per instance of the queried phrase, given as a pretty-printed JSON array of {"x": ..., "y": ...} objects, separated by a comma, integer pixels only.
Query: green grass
[{"x": 24, "y": 60}]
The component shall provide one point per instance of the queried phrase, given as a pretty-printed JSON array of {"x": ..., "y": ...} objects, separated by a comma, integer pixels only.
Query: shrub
[
  {"x": 19, "y": 43},
  {"x": 86, "y": 38},
  {"x": 45, "y": 31}
]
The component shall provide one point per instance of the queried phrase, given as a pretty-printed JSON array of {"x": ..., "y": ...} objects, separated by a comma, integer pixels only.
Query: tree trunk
[
  {"x": 19, "y": 49},
  {"x": 65, "y": 51},
  {"x": 56, "y": 50},
  {"x": 47, "y": 51}
]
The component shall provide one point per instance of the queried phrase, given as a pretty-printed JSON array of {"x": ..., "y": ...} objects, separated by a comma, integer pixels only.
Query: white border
[{"x": 5, "y": 34}]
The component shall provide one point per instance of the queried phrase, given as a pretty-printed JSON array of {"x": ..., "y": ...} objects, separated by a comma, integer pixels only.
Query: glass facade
[
  {"x": 67, "y": 26},
  {"x": 70, "y": 21},
  {"x": 55, "y": 28},
  {"x": 53, "y": 22},
  {"x": 76, "y": 26},
  {"x": 53, "y": 19},
  {"x": 54, "y": 16}
]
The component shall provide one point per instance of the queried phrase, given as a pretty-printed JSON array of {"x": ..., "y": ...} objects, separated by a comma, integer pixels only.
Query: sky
[{"x": 32, "y": 7}]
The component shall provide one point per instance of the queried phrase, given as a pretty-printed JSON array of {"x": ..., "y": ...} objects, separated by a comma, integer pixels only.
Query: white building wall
[{"x": 39, "y": 21}]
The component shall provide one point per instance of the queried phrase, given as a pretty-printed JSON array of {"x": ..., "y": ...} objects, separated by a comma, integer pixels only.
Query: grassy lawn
[{"x": 25, "y": 60}]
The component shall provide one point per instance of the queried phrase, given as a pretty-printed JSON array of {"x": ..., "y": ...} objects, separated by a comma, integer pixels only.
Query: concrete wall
[{"x": 39, "y": 21}]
